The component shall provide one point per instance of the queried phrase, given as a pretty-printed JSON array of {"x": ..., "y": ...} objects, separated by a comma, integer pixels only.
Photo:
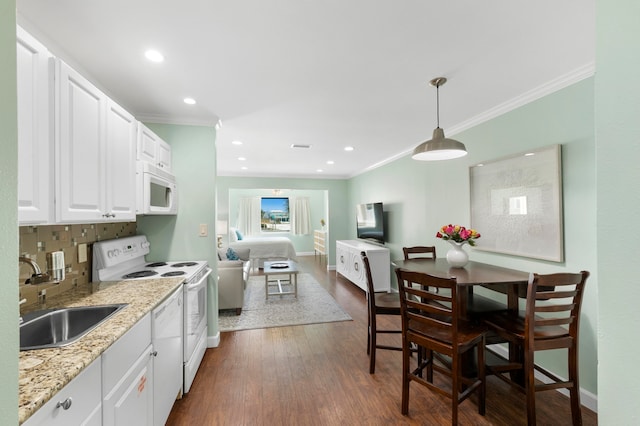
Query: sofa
[{"x": 232, "y": 279}]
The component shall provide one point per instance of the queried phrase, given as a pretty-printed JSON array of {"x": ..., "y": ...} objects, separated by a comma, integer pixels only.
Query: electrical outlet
[{"x": 204, "y": 230}]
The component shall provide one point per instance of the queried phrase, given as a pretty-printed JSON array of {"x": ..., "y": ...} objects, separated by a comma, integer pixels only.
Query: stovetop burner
[
  {"x": 183, "y": 264},
  {"x": 173, "y": 273},
  {"x": 156, "y": 264},
  {"x": 140, "y": 274}
]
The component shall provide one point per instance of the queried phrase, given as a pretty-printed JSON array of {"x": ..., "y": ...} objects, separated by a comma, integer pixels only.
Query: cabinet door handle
[
  {"x": 355, "y": 266},
  {"x": 66, "y": 404}
]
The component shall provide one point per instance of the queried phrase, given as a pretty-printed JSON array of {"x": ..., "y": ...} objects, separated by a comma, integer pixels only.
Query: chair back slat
[
  {"x": 419, "y": 252},
  {"x": 547, "y": 322},
  {"x": 555, "y": 308}
]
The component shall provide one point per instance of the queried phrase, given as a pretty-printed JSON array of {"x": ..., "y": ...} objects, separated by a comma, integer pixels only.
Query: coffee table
[{"x": 281, "y": 267}]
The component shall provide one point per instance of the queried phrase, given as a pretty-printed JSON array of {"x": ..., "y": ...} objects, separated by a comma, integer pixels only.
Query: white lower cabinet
[
  {"x": 350, "y": 265},
  {"x": 78, "y": 403},
  {"x": 127, "y": 378}
]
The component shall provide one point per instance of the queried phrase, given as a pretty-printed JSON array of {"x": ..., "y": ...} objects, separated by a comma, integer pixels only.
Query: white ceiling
[{"x": 323, "y": 73}]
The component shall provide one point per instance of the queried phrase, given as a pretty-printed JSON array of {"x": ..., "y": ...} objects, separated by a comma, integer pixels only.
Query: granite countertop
[{"x": 43, "y": 372}]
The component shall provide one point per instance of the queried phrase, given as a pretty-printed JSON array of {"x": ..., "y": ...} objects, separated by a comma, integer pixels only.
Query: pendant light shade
[{"x": 439, "y": 147}]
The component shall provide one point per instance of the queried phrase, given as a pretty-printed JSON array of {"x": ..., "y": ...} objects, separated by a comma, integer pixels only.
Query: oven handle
[{"x": 201, "y": 281}]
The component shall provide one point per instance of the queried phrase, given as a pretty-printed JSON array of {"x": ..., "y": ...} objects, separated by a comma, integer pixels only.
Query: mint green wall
[
  {"x": 617, "y": 94},
  {"x": 8, "y": 216},
  {"x": 420, "y": 197},
  {"x": 176, "y": 237},
  {"x": 302, "y": 243},
  {"x": 336, "y": 191}
]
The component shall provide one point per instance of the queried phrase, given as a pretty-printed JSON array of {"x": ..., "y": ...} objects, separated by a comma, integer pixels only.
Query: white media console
[{"x": 350, "y": 265}]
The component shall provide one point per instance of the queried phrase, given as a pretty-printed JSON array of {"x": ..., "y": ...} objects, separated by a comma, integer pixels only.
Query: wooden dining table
[{"x": 511, "y": 282}]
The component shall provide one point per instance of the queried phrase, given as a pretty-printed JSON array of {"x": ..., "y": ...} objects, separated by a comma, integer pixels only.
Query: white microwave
[{"x": 156, "y": 191}]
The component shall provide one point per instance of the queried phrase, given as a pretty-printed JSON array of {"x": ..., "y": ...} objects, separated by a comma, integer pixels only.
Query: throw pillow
[
  {"x": 239, "y": 234},
  {"x": 231, "y": 254},
  {"x": 233, "y": 237}
]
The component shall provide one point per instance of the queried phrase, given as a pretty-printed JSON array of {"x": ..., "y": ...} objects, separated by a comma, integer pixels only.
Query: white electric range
[{"x": 123, "y": 259}]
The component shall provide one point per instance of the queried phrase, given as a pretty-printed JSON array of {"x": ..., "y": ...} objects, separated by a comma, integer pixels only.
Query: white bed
[{"x": 266, "y": 248}]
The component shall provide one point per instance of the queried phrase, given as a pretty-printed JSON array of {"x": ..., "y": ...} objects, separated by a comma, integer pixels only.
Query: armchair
[{"x": 232, "y": 279}]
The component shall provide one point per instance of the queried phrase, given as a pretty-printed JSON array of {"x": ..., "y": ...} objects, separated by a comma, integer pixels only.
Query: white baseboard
[
  {"x": 213, "y": 341},
  {"x": 587, "y": 398}
]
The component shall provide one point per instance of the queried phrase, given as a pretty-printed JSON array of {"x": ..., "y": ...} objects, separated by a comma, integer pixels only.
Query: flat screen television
[{"x": 370, "y": 222}]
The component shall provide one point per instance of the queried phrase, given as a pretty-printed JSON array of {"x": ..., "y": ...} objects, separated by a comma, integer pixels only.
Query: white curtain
[
  {"x": 249, "y": 216},
  {"x": 300, "y": 216}
]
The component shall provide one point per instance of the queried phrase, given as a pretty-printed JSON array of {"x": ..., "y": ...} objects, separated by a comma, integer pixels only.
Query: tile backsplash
[{"x": 37, "y": 241}]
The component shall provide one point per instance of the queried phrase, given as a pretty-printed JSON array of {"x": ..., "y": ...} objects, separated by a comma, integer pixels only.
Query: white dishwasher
[{"x": 166, "y": 336}]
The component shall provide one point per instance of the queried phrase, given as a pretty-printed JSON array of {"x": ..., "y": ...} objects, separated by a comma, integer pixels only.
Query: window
[{"x": 274, "y": 213}]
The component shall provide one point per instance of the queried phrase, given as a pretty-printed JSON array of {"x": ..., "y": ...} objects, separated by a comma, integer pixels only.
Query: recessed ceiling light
[
  {"x": 348, "y": 148},
  {"x": 529, "y": 154},
  {"x": 236, "y": 142},
  {"x": 154, "y": 55},
  {"x": 319, "y": 170},
  {"x": 241, "y": 158},
  {"x": 244, "y": 168},
  {"x": 189, "y": 101},
  {"x": 330, "y": 162}
]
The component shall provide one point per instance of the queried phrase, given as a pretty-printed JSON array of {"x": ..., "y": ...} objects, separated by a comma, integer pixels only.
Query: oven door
[{"x": 195, "y": 313}]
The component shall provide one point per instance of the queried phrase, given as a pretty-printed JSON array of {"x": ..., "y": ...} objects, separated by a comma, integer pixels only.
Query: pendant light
[{"x": 439, "y": 147}]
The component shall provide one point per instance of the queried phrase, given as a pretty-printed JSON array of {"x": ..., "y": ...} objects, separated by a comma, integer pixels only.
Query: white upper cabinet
[
  {"x": 120, "y": 163},
  {"x": 80, "y": 142},
  {"x": 35, "y": 130},
  {"x": 152, "y": 149},
  {"x": 95, "y": 140}
]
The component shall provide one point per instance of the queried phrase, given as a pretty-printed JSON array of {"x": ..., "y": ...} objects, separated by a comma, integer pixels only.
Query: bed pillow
[
  {"x": 239, "y": 235},
  {"x": 233, "y": 237},
  {"x": 231, "y": 254}
]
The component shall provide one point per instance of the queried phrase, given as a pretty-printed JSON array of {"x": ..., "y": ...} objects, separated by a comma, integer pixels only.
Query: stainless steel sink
[{"x": 54, "y": 328}]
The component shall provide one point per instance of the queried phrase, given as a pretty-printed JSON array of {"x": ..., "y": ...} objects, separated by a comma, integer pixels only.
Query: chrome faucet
[{"x": 37, "y": 276}]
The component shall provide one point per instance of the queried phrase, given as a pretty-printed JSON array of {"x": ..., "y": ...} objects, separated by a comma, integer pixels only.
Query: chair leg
[
  {"x": 373, "y": 341},
  {"x": 574, "y": 392},
  {"x": 456, "y": 371},
  {"x": 482, "y": 378},
  {"x": 368, "y": 332},
  {"x": 530, "y": 387},
  {"x": 406, "y": 355}
]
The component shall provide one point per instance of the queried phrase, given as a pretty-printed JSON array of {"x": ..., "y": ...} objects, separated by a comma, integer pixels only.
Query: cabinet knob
[
  {"x": 154, "y": 353},
  {"x": 355, "y": 266},
  {"x": 66, "y": 404}
]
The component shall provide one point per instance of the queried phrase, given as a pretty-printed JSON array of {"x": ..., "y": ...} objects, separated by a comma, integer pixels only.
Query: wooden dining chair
[
  {"x": 551, "y": 321},
  {"x": 418, "y": 252},
  {"x": 431, "y": 320},
  {"x": 383, "y": 303}
]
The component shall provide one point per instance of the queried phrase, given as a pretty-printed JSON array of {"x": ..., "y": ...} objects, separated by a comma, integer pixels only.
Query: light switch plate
[{"x": 204, "y": 230}]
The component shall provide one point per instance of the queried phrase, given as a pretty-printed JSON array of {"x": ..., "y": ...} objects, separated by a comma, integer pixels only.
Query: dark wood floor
[{"x": 318, "y": 375}]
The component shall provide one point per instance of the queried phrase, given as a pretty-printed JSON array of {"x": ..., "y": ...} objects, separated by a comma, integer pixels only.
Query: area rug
[{"x": 313, "y": 305}]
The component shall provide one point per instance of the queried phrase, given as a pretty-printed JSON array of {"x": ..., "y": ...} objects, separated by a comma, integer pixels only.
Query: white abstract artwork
[{"x": 516, "y": 204}]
